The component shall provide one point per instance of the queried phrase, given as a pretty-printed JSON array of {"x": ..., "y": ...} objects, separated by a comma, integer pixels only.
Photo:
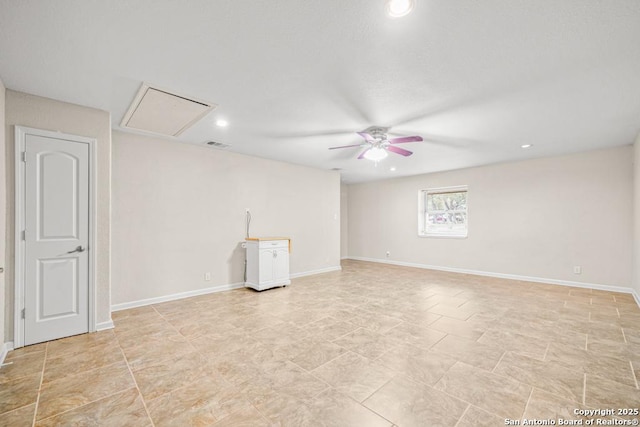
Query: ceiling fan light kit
[
  {"x": 379, "y": 144},
  {"x": 375, "y": 154},
  {"x": 399, "y": 8}
]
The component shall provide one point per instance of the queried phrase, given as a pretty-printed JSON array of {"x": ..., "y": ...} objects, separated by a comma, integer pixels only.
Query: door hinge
[
  {"x": 22, "y": 314},
  {"x": 24, "y": 156},
  {"x": 24, "y": 234}
]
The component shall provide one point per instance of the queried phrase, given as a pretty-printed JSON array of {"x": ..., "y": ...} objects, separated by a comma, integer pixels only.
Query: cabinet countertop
[{"x": 267, "y": 238}]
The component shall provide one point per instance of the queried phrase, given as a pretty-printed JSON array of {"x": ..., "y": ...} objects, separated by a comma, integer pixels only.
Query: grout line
[
  {"x": 85, "y": 404},
  {"x": 633, "y": 373},
  {"x": 44, "y": 365},
  {"x": 624, "y": 337},
  {"x": 370, "y": 409},
  {"x": 528, "y": 400},
  {"x": 463, "y": 414},
  {"x": 144, "y": 404},
  {"x": 500, "y": 360},
  {"x": 546, "y": 351},
  {"x": 584, "y": 389},
  {"x": 618, "y": 311},
  {"x": 376, "y": 390},
  {"x": 586, "y": 342}
]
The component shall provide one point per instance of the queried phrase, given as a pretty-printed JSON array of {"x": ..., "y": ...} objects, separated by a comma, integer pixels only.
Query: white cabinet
[{"x": 267, "y": 262}]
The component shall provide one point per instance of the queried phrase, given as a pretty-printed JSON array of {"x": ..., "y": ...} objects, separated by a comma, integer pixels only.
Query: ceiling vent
[
  {"x": 217, "y": 144},
  {"x": 160, "y": 111}
]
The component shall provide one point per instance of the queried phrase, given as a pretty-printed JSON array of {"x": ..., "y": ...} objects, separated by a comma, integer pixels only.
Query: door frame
[{"x": 21, "y": 133}]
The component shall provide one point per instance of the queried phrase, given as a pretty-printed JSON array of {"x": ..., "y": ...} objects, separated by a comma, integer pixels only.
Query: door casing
[{"x": 19, "y": 245}]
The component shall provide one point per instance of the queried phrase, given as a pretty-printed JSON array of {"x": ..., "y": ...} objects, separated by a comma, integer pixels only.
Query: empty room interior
[{"x": 319, "y": 213}]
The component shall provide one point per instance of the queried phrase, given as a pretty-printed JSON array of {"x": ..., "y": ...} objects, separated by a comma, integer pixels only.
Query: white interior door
[{"x": 56, "y": 252}]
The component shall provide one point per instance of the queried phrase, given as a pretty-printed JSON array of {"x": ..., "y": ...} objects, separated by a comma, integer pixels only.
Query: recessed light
[
  {"x": 526, "y": 146},
  {"x": 222, "y": 123},
  {"x": 392, "y": 168},
  {"x": 399, "y": 8}
]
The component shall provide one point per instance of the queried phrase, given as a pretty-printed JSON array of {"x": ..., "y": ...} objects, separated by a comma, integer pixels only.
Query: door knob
[{"x": 78, "y": 249}]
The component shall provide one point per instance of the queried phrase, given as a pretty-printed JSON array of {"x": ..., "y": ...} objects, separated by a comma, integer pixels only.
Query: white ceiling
[{"x": 476, "y": 79}]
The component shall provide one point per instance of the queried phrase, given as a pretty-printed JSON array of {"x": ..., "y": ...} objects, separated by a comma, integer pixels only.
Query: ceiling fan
[{"x": 378, "y": 144}]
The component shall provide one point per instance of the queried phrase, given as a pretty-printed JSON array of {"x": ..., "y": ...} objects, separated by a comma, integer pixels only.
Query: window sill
[{"x": 444, "y": 236}]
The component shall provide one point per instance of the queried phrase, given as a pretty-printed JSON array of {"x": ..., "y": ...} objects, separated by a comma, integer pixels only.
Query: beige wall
[
  {"x": 535, "y": 218},
  {"x": 43, "y": 113},
  {"x": 636, "y": 216},
  {"x": 344, "y": 221},
  {"x": 3, "y": 217},
  {"x": 179, "y": 212}
]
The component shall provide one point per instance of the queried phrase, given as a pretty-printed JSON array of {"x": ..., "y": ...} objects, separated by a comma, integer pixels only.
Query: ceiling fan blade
[
  {"x": 404, "y": 139},
  {"x": 361, "y": 156},
  {"x": 347, "y": 146},
  {"x": 366, "y": 136},
  {"x": 398, "y": 150}
]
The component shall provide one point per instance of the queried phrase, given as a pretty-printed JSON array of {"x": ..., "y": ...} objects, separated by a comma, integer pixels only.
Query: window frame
[{"x": 423, "y": 212}]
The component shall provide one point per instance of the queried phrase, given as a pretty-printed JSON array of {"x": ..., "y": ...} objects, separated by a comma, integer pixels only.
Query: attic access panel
[{"x": 159, "y": 111}]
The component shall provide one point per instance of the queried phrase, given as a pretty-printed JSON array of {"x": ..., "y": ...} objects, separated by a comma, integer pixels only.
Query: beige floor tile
[
  {"x": 368, "y": 343},
  {"x": 515, "y": 342},
  {"x": 455, "y": 312},
  {"x": 17, "y": 367},
  {"x": 321, "y": 353},
  {"x": 547, "y": 376},
  {"x": 60, "y": 365},
  {"x": 20, "y": 392},
  {"x": 333, "y": 409},
  {"x": 606, "y": 365},
  {"x": 202, "y": 402},
  {"x": 546, "y": 406},
  {"x": 406, "y": 403},
  {"x": 234, "y": 370},
  {"x": 353, "y": 375},
  {"x": 76, "y": 390},
  {"x": 471, "y": 352},
  {"x": 462, "y": 328},
  {"x": 603, "y": 392},
  {"x": 21, "y": 417},
  {"x": 329, "y": 328},
  {"x": 35, "y": 348},
  {"x": 246, "y": 417},
  {"x": 156, "y": 380},
  {"x": 80, "y": 343},
  {"x": 493, "y": 393},
  {"x": 420, "y": 365},
  {"x": 375, "y": 322},
  {"x": 417, "y": 335},
  {"x": 154, "y": 352},
  {"x": 276, "y": 350},
  {"x": 285, "y": 410},
  {"x": 121, "y": 409},
  {"x": 476, "y": 417}
]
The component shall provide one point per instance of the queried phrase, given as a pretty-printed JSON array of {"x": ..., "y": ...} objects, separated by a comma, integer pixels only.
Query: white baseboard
[
  {"x": 5, "y": 349},
  {"x": 636, "y": 296},
  {"x": 211, "y": 290},
  {"x": 312, "y": 272},
  {"x": 172, "y": 297},
  {"x": 598, "y": 286},
  {"x": 103, "y": 326}
]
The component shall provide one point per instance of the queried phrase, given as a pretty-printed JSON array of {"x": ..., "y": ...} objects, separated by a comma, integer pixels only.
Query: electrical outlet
[
  {"x": 207, "y": 276},
  {"x": 577, "y": 269},
  {"x": 388, "y": 254}
]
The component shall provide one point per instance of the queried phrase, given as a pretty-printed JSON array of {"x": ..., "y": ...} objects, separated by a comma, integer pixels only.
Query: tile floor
[{"x": 373, "y": 345}]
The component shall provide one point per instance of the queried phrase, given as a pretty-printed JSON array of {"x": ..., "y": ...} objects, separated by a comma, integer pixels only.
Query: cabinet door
[
  {"x": 281, "y": 264},
  {"x": 266, "y": 266}
]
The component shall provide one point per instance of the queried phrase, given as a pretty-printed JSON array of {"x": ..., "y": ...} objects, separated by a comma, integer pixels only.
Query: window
[{"x": 443, "y": 212}]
